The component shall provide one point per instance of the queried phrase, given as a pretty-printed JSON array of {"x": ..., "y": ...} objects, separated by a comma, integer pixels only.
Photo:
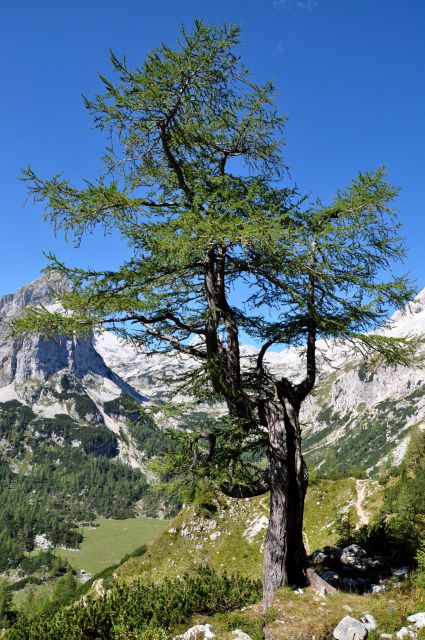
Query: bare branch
[{"x": 257, "y": 488}]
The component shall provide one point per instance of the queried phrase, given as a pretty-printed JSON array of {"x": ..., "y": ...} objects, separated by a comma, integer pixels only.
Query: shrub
[
  {"x": 420, "y": 559},
  {"x": 133, "y": 611}
]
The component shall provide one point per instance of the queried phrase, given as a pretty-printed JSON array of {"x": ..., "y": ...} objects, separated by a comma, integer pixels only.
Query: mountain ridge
[{"x": 363, "y": 402}]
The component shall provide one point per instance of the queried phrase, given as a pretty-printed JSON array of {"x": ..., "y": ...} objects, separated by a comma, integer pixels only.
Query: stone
[
  {"x": 318, "y": 557},
  {"x": 240, "y": 635},
  {"x": 354, "y": 584},
  {"x": 333, "y": 552},
  {"x": 369, "y": 622},
  {"x": 385, "y": 635},
  {"x": 352, "y": 554},
  {"x": 378, "y": 588},
  {"x": 347, "y": 607},
  {"x": 215, "y": 535},
  {"x": 195, "y": 633},
  {"x": 330, "y": 576},
  {"x": 350, "y": 629},
  {"x": 404, "y": 632},
  {"x": 400, "y": 572},
  {"x": 418, "y": 619}
]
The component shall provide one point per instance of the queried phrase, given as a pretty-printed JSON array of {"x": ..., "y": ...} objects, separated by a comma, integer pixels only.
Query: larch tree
[{"x": 222, "y": 248}]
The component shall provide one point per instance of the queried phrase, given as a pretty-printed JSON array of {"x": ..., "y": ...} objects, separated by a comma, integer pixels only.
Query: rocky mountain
[
  {"x": 360, "y": 415},
  {"x": 74, "y": 438},
  {"x": 64, "y": 377},
  {"x": 362, "y": 412}
]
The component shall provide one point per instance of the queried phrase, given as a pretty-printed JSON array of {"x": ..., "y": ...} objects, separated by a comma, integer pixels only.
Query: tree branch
[
  {"x": 172, "y": 161},
  {"x": 257, "y": 488},
  {"x": 262, "y": 353},
  {"x": 160, "y": 335}
]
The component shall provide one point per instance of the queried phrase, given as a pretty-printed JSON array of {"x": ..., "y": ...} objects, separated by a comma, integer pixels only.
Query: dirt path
[
  {"x": 361, "y": 487},
  {"x": 306, "y": 543}
]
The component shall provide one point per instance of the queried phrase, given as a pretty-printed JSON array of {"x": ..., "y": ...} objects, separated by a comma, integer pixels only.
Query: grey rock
[
  {"x": 353, "y": 584},
  {"x": 350, "y": 629},
  {"x": 330, "y": 576},
  {"x": 318, "y": 557},
  {"x": 240, "y": 635},
  {"x": 369, "y": 622},
  {"x": 378, "y": 588},
  {"x": 352, "y": 554},
  {"x": 418, "y": 619},
  {"x": 400, "y": 572},
  {"x": 198, "y": 632}
]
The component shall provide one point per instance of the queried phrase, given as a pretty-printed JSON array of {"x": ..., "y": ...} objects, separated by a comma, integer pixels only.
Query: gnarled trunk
[{"x": 285, "y": 559}]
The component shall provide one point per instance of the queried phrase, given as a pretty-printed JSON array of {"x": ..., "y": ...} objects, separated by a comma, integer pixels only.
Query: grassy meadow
[{"x": 110, "y": 541}]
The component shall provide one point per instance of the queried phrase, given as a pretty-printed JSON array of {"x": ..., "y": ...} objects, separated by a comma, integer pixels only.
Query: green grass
[
  {"x": 324, "y": 501},
  {"x": 227, "y": 546},
  {"x": 41, "y": 594},
  {"x": 111, "y": 541},
  {"x": 307, "y": 616}
]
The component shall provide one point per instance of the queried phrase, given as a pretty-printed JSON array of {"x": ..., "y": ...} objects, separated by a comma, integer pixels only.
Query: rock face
[
  {"x": 38, "y": 358},
  {"x": 60, "y": 376}
]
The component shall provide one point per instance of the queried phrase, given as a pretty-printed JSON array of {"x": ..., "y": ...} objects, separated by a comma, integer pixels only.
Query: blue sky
[{"x": 350, "y": 74}]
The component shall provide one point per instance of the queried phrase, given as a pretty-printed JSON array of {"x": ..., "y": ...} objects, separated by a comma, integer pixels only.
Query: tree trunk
[{"x": 285, "y": 559}]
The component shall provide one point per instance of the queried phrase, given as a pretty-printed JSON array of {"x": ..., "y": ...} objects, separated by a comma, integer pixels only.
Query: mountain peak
[{"x": 40, "y": 291}]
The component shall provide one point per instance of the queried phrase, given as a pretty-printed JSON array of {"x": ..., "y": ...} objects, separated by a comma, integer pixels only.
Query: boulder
[
  {"x": 332, "y": 552},
  {"x": 198, "y": 632},
  {"x": 354, "y": 584},
  {"x": 353, "y": 555},
  {"x": 330, "y": 576},
  {"x": 369, "y": 622},
  {"x": 318, "y": 557},
  {"x": 418, "y": 619},
  {"x": 350, "y": 629},
  {"x": 240, "y": 635},
  {"x": 400, "y": 572},
  {"x": 404, "y": 632}
]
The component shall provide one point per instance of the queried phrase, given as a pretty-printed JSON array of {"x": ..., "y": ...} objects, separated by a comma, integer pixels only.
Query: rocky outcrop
[
  {"x": 60, "y": 375},
  {"x": 352, "y": 629},
  {"x": 204, "y": 632}
]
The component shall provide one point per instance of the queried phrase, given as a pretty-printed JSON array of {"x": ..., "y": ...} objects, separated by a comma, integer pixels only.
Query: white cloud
[
  {"x": 306, "y": 5},
  {"x": 302, "y": 5}
]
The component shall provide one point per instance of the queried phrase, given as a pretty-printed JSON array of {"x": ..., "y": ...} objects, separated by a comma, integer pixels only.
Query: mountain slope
[
  {"x": 360, "y": 414},
  {"x": 72, "y": 435},
  {"x": 73, "y": 410}
]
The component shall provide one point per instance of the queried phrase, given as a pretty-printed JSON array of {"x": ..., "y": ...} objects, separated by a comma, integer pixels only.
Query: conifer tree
[{"x": 222, "y": 247}]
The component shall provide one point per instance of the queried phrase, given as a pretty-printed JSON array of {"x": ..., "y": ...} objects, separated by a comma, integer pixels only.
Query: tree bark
[{"x": 285, "y": 558}]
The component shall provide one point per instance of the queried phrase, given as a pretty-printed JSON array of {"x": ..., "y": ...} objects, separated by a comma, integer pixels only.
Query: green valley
[{"x": 109, "y": 541}]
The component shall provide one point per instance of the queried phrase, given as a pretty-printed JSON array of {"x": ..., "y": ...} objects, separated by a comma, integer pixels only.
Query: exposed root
[{"x": 318, "y": 584}]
